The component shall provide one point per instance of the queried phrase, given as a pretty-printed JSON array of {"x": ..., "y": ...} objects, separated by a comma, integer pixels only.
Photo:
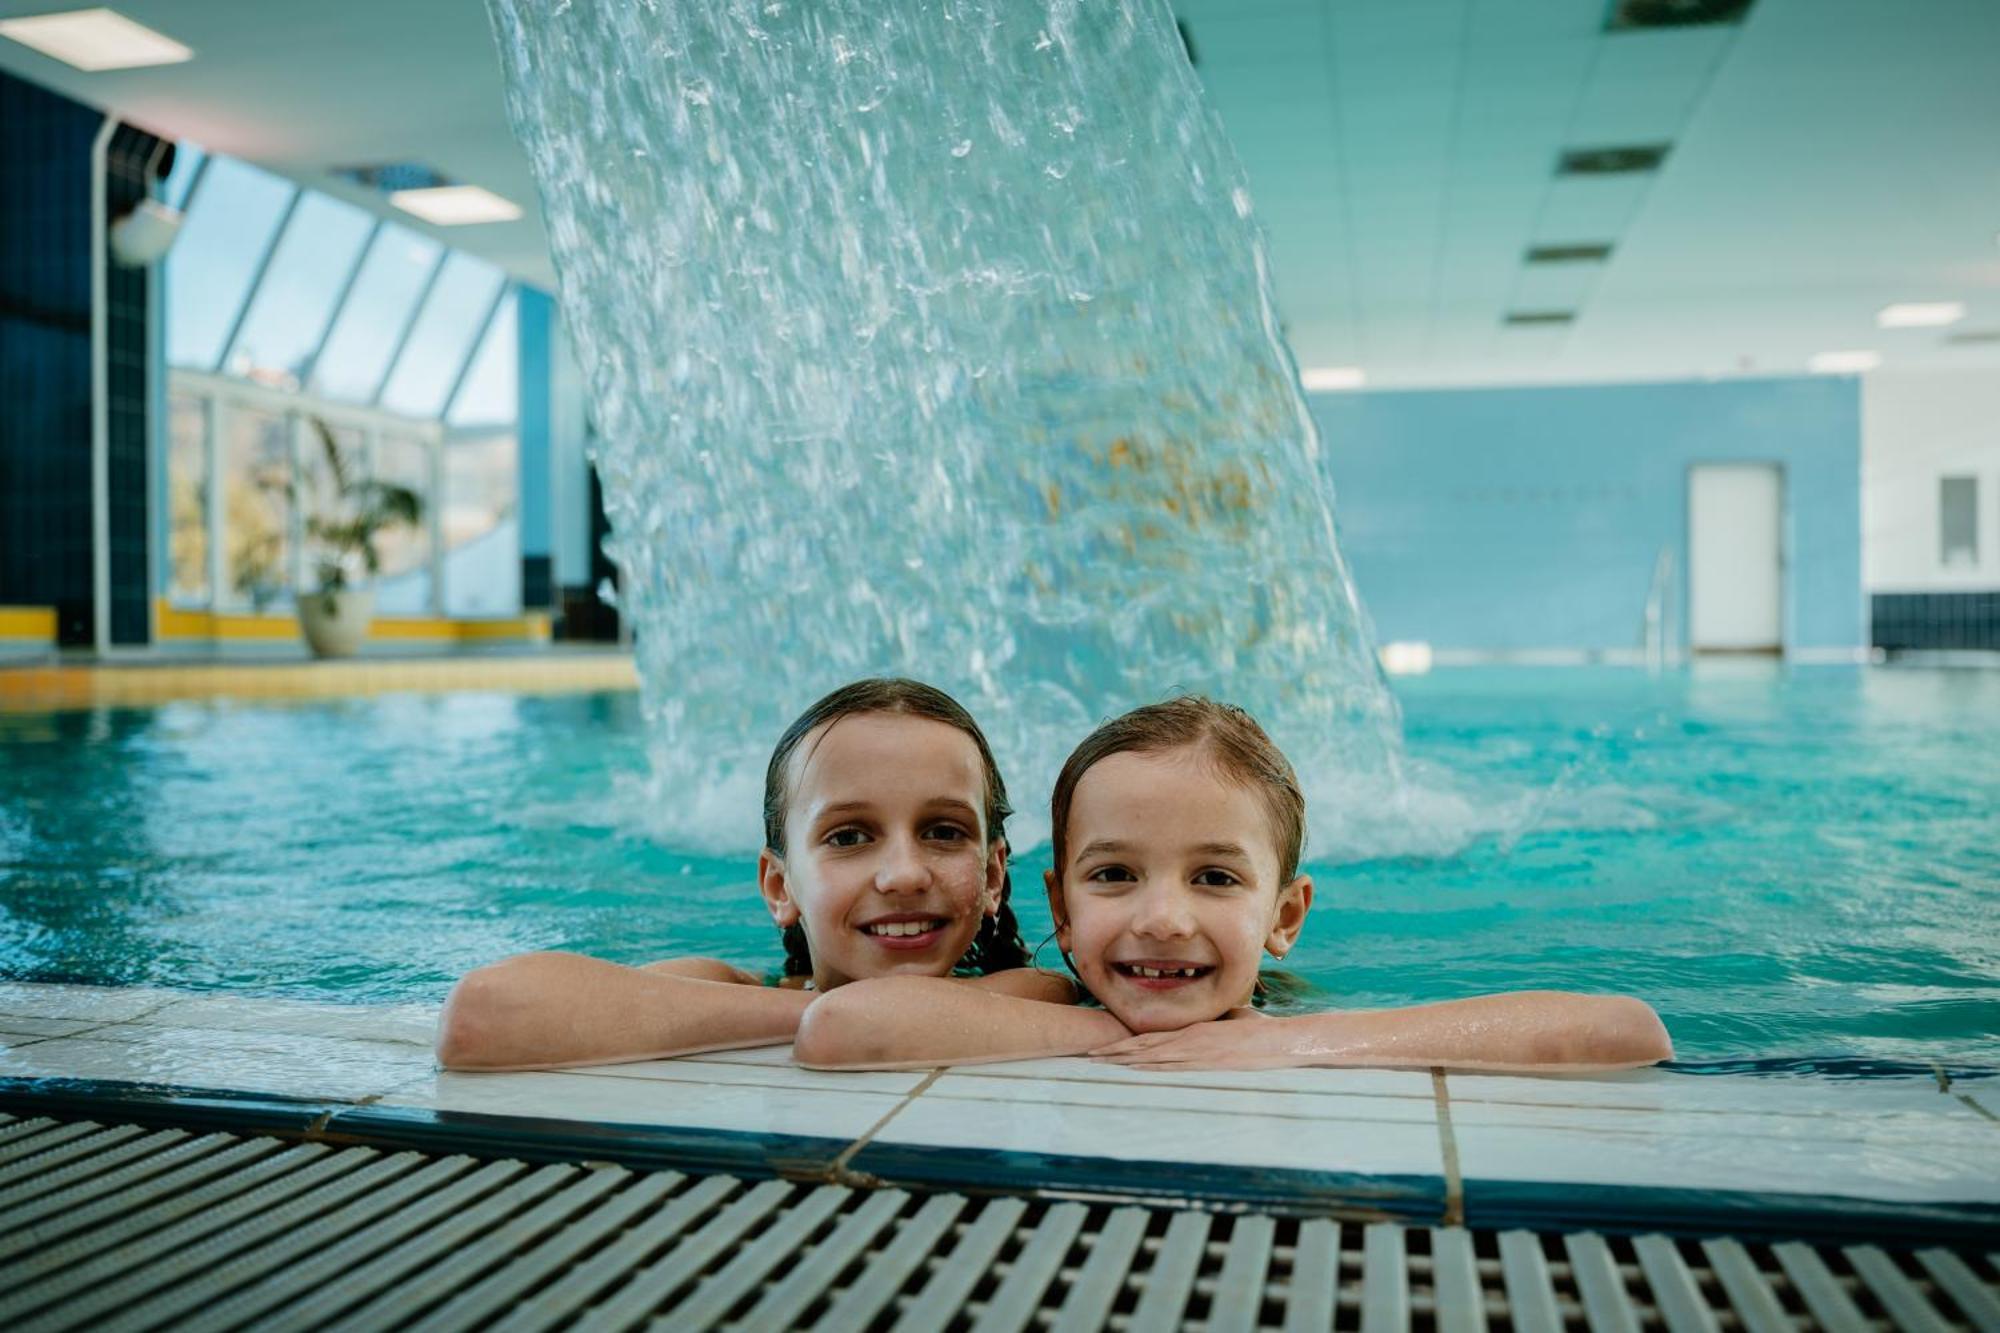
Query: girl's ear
[
  {"x": 1053, "y": 887},
  {"x": 777, "y": 891},
  {"x": 1294, "y": 901},
  {"x": 996, "y": 878}
]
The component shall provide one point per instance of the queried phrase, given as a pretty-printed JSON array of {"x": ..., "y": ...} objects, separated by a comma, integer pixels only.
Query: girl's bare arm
[
  {"x": 554, "y": 1010},
  {"x": 919, "y": 1022},
  {"x": 1527, "y": 1031}
]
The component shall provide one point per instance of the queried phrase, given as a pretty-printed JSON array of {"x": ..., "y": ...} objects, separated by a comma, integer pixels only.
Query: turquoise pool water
[{"x": 1799, "y": 864}]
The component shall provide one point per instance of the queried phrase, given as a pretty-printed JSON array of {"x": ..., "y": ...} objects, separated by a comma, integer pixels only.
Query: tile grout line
[
  {"x": 1454, "y": 1181},
  {"x": 838, "y": 1172}
]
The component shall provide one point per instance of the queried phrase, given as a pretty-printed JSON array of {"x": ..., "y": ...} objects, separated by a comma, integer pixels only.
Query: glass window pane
[
  {"x": 442, "y": 336},
  {"x": 289, "y": 310},
  {"x": 482, "y": 532},
  {"x": 216, "y": 255},
  {"x": 187, "y": 160},
  {"x": 403, "y": 587},
  {"x": 256, "y": 516},
  {"x": 364, "y": 337},
  {"x": 492, "y": 395},
  {"x": 1958, "y": 522},
  {"x": 187, "y": 499}
]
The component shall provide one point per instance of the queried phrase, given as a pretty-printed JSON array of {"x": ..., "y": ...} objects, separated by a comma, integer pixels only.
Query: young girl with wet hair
[
  {"x": 1176, "y": 831},
  {"x": 885, "y": 855}
]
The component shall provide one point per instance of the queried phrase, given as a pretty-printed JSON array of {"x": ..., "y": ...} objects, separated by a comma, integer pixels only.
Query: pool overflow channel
[{"x": 114, "y": 1226}]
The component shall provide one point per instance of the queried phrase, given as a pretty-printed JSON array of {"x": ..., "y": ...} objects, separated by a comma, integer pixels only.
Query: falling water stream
[{"x": 932, "y": 337}]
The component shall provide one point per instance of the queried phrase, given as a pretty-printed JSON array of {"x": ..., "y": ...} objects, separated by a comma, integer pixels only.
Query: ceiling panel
[{"x": 1829, "y": 156}]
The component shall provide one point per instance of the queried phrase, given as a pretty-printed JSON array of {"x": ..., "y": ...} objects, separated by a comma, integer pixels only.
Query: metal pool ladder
[{"x": 121, "y": 1227}]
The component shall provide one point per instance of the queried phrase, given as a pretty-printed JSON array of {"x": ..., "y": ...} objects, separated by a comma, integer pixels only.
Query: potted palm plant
[{"x": 350, "y": 512}]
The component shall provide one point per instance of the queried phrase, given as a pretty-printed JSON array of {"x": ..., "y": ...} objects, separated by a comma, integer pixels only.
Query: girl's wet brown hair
[
  {"x": 997, "y": 947},
  {"x": 1224, "y": 734}
]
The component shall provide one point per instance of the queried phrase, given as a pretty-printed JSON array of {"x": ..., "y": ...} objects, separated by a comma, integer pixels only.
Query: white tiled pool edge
[{"x": 1902, "y": 1141}]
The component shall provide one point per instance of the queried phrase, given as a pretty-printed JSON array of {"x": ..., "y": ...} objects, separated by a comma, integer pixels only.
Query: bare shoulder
[{"x": 705, "y": 969}]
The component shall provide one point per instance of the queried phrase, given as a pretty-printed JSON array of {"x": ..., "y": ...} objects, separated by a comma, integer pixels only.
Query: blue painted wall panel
[{"x": 1516, "y": 519}]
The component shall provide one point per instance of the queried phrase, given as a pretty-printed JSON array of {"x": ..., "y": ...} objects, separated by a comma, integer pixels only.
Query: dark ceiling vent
[
  {"x": 1587, "y": 252},
  {"x": 1629, "y": 14},
  {"x": 388, "y": 177},
  {"x": 1612, "y": 161},
  {"x": 1974, "y": 336},
  {"x": 1531, "y": 318},
  {"x": 1187, "y": 41}
]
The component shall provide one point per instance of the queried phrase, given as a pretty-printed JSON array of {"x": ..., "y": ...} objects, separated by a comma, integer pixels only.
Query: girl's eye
[
  {"x": 846, "y": 837},
  {"x": 1213, "y": 878},
  {"x": 946, "y": 833},
  {"x": 1111, "y": 875}
]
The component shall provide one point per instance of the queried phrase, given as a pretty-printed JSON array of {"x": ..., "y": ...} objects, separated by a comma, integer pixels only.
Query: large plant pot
[{"x": 336, "y": 623}]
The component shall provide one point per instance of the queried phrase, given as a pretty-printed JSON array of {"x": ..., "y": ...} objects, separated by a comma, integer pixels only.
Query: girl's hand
[{"x": 1241, "y": 1039}]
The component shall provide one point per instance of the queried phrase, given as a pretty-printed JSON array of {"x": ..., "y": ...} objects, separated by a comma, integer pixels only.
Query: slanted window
[
  {"x": 216, "y": 256},
  {"x": 365, "y": 334},
  {"x": 291, "y": 307}
]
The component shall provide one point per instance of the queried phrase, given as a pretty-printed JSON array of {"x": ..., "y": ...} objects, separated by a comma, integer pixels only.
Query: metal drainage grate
[{"x": 117, "y": 1227}]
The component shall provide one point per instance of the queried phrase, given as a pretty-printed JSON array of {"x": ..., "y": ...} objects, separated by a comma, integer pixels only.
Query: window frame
[{"x": 223, "y": 394}]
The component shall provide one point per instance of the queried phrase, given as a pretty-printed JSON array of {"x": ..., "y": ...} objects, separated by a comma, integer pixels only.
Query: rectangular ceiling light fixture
[
  {"x": 95, "y": 39},
  {"x": 1919, "y": 314},
  {"x": 1585, "y": 253},
  {"x": 1327, "y": 379},
  {"x": 1615, "y": 160},
  {"x": 1627, "y": 14},
  {"x": 1530, "y": 318},
  {"x": 1843, "y": 363},
  {"x": 456, "y": 205}
]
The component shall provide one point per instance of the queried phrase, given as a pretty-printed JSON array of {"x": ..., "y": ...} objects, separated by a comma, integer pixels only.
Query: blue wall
[{"x": 1518, "y": 519}]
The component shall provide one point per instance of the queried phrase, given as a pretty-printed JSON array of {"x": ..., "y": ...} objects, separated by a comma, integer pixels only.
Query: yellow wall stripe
[{"x": 28, "y": 622}]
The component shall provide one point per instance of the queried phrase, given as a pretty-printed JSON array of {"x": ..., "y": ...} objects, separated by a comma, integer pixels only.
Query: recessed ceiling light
[
  {"x": 1920, "y": 314},
  {"x": 95, "y": 39},
  {"x": 1613, "y": 160},
  {"x": 1583, "y": 252},
  {"x": 456, "y": 205},
  {"x": 1843, "y": 363},
  {"x": 1325, "y": 379}
]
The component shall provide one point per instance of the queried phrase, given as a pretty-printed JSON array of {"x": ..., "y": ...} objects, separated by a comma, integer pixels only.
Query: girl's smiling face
[
  {"x": 886, "y": 863},
  {"x": 1169, "y": 895}
]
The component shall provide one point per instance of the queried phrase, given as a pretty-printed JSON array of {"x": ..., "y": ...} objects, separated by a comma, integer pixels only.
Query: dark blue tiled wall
[
  {"x": 45, "y": 354},
  {"x": 1912, "y": 620},
  {"x": 45, "y": 403}
]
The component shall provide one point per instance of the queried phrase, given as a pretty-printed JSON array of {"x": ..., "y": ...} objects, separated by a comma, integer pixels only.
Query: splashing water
[{"x": 935, "y": 338}]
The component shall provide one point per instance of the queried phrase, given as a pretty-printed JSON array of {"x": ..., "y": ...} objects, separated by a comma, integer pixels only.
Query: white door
[{"x": 1736, "y": 576}]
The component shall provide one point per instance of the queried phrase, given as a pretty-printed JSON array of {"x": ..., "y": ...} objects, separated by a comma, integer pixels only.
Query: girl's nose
[
  {"x": 903, "y": 868},
  {"x": 1162, "y": 915}
]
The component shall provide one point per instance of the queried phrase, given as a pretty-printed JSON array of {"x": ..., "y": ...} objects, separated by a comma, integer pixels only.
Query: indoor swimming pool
[{"x": 1796, "y": 867}]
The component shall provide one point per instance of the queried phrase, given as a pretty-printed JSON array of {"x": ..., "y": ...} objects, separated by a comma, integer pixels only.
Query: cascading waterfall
[{"x": 933, "y": 337}]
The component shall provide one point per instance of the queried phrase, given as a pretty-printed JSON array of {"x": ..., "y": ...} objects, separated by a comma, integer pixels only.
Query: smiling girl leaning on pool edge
[
  {"x": 885, "y": 855},
  {"x": 1176, "y": 832}
]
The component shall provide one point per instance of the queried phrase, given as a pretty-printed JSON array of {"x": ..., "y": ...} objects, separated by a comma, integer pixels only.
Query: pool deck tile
[
  {"x": 700, "y": 1069},
  {"x": 1302, "y": 1132},
  {"x": 756, "y": 1109},
  {"x": 104, "y": 1004},
  {"x": 21, "y": 1028},
  {"x": 1666, "y": 1092},
  {"x": 1357, "y": 1135},
  {"x": 412, "y": 1023},
  {"x": 290, "y": 1065}
]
